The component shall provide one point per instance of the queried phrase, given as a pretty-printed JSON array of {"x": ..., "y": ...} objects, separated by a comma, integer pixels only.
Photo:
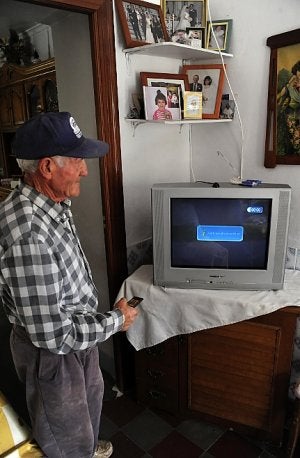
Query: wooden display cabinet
[
  {"x": 24, "y": 92},
  {"x": 236, "y": 375}
]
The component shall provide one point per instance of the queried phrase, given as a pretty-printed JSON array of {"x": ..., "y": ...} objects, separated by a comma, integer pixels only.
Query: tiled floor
[{"x": 138, "y": 432}]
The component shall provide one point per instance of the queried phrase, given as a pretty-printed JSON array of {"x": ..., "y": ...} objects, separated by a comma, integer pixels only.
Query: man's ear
[{"x": 46, "y": 167}]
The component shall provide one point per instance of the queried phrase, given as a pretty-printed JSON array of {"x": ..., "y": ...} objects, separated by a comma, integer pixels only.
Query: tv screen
[
  {"x": 226, "y": 237},
  {"x": 227, "y": 233}
]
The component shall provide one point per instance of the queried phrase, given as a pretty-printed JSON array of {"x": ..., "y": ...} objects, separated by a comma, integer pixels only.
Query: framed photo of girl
[
  {"x": 180, "y": 15},
  {"x": 142, "y": 22},
  {"x": 210, "y": 79},
  {"x": 218, "y": 35},
  {"x": 282, "y": 144}
]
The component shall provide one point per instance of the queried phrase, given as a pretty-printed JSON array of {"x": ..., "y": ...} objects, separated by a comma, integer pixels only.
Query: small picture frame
[
  {"x": 138, "y": 103},
  {"x": 180, "y": 36},
  {"x": 210, "y": 81},
  {"x": 219, "y": 35},
  {"x": 195, "y": 34},
  {"x": 192, "y": 105},
  {"x": 161, "y": 103},
  {"x": 227, "y": 109},
  {"x": 142, "y": 22}
]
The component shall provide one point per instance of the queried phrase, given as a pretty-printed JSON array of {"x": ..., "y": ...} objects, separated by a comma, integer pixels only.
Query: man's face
[
  {"x": 195, "y": 78},
  {"x": 65, "y": 182}
]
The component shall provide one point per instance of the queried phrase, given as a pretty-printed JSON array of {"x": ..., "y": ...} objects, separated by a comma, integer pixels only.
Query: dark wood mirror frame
[
  {"x": 107, "y": 118},
  {"x": 272, "y": 158}
]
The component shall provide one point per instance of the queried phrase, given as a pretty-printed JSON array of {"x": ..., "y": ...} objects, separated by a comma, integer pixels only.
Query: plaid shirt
[{"x": 45, "y": 281}]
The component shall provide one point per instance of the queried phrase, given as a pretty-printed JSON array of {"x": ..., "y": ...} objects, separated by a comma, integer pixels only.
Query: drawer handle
[
  {"x": 155, "y": 351},
  {"x": 155, "y": 374},
  {"x": 154, "y": 394}
]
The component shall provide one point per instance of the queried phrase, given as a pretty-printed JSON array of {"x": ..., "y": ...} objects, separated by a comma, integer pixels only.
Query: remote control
[{"x": 134, "y": 301}]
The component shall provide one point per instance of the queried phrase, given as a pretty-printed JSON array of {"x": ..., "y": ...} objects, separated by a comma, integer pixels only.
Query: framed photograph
[
  {"x": 208, "y": 79},
  {"x": 182, "y": 15},
  {"x": 167, "y": 80},
  {"x": 218, "y": 35},
  {"x": 283, "y": 112},
  {"x": 142, "y": 23},
  {"x": 197, "y": 33},
  {"x": 162, "y": 103},
  {"x": 138, "y": 103},
  {"x": 227, "y": 109},
  {"x": 192, "y": 104}
]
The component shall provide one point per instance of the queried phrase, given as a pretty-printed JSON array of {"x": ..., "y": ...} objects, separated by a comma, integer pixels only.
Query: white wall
[
  {"x": 160, "y": 153},
  {"x": 248, "y": 71}
]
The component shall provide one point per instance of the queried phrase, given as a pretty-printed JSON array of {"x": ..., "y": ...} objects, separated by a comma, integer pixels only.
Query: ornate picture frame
[
  {"x": 282, "y": 145},
  {"x": 143, "y": 23},
  {"x": 211, "y": 78}
]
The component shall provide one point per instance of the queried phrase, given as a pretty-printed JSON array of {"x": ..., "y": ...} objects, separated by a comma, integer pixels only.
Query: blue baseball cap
[{"x": 55, "y": 134}]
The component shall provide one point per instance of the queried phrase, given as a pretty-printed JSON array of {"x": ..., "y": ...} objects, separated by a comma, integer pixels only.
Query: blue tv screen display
[{"x": 221, "y": 233}]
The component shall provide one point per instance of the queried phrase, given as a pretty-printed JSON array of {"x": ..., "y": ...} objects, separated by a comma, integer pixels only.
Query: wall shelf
[
  {"x": 175, "y": 50},
  {"x": 180, "y": 122}
]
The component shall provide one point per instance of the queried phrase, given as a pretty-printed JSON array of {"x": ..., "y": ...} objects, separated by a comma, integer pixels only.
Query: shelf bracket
[{"x": 134, "y": 125}]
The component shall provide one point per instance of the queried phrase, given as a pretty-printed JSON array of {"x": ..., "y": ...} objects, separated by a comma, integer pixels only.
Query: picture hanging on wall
[
  {"x": 142, "y": 23},
  {"x": 210, "y": 79},
  {"x": 283, "y": 112}
]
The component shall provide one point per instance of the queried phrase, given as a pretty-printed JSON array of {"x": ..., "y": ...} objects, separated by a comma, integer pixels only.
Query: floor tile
[
  {"x": 176, "y": 446},
  {"x": 202, "y": 434},
  {"x": 107, "y": 428},
  {"x": 121, "y": 410},
  {"x": 147, "y": 429},
  {"x": 234, "y": 446},
  {"x": 124, "y": 447}
]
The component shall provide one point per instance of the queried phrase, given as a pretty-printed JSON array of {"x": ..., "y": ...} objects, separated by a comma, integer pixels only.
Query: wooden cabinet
[
  {"x": 24, "y": 92},
  {"x": 12, "y": 106},
  {"x": 157, "y": 380},
  {"x": 237, "y": 375}
]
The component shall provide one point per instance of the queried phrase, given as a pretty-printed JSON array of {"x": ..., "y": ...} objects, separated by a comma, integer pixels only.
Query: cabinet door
[
  {"x": 240, "y": 373},
  {"x": 5, "y": 109},
  {"x": 18, "y": 104},
  {"x": 42, "y": 95}
]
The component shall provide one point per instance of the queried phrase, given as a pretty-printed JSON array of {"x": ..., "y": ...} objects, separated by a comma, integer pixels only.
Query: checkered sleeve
[{"x": 30, "y": 270}]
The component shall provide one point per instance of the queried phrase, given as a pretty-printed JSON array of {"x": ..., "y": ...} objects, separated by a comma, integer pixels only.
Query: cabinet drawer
[{"x": 161, "y": 396}]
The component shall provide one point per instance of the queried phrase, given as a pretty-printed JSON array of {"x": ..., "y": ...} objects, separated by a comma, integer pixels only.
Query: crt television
[{"x": 226, "y": 237}]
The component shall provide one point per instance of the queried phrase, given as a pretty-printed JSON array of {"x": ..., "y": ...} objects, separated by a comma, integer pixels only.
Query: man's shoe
[{"x": 104, "y": 449}]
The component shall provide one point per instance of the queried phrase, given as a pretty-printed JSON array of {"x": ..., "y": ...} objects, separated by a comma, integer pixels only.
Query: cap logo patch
[{"x": 75, "y": 128}]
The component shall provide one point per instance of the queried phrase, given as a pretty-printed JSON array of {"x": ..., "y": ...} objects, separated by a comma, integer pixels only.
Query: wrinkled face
[{"x": 65, "y": 182}]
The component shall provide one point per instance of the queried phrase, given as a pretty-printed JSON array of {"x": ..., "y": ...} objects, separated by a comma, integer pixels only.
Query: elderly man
[{"x": 48, "y": 292}]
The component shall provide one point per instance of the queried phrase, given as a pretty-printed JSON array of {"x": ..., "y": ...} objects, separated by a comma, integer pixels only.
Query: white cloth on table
[{"x": 166, "y": 312}]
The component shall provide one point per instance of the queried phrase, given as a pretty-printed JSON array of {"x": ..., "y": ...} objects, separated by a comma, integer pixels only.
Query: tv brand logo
[
  {"x": 220, "y": 233},
  {"x": 255, "y": 210}
]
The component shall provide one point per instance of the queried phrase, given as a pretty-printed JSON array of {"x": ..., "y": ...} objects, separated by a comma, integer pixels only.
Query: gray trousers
[{"x": 64, "y": 396}]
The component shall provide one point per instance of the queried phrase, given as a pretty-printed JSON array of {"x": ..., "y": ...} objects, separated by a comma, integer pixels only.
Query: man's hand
[{"x": 129, "y": 313}]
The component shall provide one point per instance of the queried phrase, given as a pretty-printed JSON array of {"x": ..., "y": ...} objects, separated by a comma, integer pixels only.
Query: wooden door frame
[{"x": 100, "y": 14}]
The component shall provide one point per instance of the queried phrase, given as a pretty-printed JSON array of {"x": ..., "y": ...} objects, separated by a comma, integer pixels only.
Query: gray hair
[{"x": 31, "y": 165}]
